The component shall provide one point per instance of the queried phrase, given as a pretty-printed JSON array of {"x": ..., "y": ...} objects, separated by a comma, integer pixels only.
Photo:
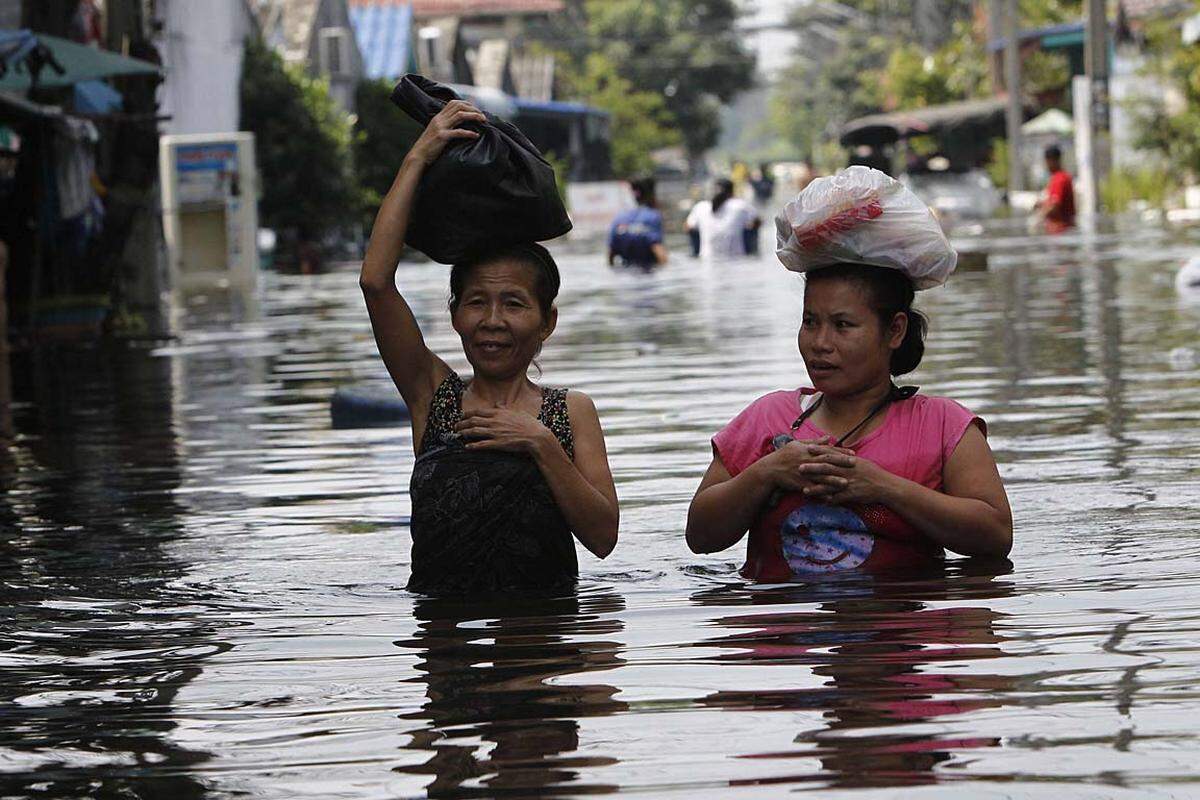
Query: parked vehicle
[{"x": 956, "y": 196}]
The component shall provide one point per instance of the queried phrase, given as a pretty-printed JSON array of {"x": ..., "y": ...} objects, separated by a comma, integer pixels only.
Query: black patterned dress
[{"x": 486, "y": 521}]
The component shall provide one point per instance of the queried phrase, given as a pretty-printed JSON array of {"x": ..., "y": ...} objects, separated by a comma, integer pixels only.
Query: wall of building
[
  {"x": 10, "y": 14},
  {"x": 201, "y": 47},
  {"x": 333, "y": 14}
]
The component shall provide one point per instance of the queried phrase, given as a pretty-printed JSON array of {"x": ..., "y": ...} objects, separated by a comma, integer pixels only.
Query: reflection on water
[
  {"x": 489, "y": 677},
  {"x": 203, "y": 581},
  {"x": 876, "y": 654},
  {"x": 98, "y": 633}
]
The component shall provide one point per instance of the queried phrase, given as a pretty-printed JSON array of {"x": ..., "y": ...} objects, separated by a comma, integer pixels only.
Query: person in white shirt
[{"x": 723, "y": 223}]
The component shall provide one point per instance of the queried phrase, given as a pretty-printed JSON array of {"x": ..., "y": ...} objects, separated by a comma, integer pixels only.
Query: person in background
[
  {"x": 722, "y": 222},
  {"x": 636, "y": 236},
  {"x": 763, "y": 184},
  {"x": 1057, "y": 206},
  {"x": 739, "y": 173}
]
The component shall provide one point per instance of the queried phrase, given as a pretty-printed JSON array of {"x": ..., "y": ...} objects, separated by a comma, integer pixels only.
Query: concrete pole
[
  {"x": 995, "y": 29},
  {"x": 1095, "y": 60},
  {"x": 1014, "y": 116}
]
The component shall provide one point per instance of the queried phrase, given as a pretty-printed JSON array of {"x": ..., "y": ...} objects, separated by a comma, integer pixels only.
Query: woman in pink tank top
[{"x": 855, "y": 473}]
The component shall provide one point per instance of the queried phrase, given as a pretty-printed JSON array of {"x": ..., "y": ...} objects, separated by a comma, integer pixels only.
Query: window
[{"x": 333, "y": 50}]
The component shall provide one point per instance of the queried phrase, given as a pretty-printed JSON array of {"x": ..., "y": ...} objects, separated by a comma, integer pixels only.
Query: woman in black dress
[{"x": 508, "y": 473}]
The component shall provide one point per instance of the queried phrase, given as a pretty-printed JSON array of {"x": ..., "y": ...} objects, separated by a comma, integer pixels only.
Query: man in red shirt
[{"x": 1057, "y": 207}]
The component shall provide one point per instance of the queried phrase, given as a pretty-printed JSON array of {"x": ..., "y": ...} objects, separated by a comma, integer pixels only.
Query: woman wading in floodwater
[
  {"x": 854, "y": 472},
  {"x": 508, "y": 473}
]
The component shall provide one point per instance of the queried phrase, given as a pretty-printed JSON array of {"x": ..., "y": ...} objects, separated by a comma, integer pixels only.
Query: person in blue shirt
[{"x": 636, "y": 236}]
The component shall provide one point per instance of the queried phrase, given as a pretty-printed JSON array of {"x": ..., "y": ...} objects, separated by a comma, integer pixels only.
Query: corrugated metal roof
[{"x": 384, "y": 34}]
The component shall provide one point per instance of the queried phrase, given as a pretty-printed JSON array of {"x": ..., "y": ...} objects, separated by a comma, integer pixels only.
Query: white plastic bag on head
[{"x": 861, "y": 215}]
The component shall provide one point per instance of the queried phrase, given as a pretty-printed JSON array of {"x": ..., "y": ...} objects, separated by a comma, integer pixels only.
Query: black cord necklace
[
  {"x": 894, "y": 393},
  {"x": 782, "y": 440}
]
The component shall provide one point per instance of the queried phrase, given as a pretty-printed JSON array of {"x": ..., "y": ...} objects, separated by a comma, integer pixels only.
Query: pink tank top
[{"x": 797, "y": 537}]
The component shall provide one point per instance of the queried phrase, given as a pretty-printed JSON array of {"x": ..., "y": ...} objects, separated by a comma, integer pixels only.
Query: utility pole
[
  {"x": 1095, "y": 60},
  {"x": 1014, "y": 116},
  {"x": 995, "y": 29}
]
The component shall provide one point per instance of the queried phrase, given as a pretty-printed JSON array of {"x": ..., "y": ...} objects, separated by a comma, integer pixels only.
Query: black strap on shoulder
[{"x": 894, "y": 394}]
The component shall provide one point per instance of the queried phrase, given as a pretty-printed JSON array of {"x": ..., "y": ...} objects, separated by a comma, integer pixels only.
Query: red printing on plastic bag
[{"x": 840, "y": 222}]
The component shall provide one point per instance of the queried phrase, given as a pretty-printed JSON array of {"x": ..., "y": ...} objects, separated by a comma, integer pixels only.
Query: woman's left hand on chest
[
  {"x": 853, "y": 480},
  {"x": 502, "y": 429}
]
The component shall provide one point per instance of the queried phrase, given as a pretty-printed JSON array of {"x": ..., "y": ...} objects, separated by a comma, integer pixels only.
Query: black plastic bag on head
[{"x": 481, "y": 194}]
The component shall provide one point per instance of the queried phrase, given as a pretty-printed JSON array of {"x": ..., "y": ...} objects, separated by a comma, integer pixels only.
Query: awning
[
  {"x": 19, "y": 50},
  {"x": 878, "y": 129},
  {"x": 15, "y": 107},
  {"x": 1048, "y": 36},
  {"x": 557, "y": 107},
  {"x": 1052, "y": 123}
]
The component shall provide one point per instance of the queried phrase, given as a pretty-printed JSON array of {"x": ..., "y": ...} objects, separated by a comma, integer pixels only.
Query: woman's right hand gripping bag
[
  {"x": 481, "y": 194},
  {"x": 862, "y": 216}
]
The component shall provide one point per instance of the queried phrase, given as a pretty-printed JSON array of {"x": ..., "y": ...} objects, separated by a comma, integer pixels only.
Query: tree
[
  {"x": 817, "y": 95},
  {"x": 383, "y": 135},
  {"x": 860, "y": 57},
  {"x": 688, "y": 53},
  {"x": 302, "y": 144},
  {"x": 914, "y": 78},
  {"x": 640, "y": 121},
  {"x": 1036, "y": 13},
  {"x": 1175, "y": 134}
]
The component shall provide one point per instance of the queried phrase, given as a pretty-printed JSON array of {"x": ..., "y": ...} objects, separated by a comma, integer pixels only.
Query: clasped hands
[{"x": 826, "y": 473}]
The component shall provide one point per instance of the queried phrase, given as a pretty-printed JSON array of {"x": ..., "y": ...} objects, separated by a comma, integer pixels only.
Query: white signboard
[{"x": 593, "y": 206}]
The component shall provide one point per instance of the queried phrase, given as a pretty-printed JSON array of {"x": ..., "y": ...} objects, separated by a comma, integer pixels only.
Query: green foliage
[
  {"x": 913, "y": 78},
  {"x": 1043, "y": 71},
  {"x": 1151, "y": 185},
  {"x": 1036, "y": 13},
  {"x": 878, "y": 66},
  {"x": 815, "y": 97},
  {"x": 302, "y": 144},
  {"x": 640, "y": 120},
  {"x": 689, "y": 54},
  {"x": 382, "y": 138},
  {"x": 1174, "y": 135},
  {"x": 997, "y": 168},
  {"x": 562, "y": 171}
]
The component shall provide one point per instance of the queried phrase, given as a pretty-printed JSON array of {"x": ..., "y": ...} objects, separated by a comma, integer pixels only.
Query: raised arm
[{"x": 413, "y": 367}]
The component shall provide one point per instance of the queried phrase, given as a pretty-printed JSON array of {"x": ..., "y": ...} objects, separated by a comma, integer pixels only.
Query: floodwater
[{"x": 203, "y": 595}]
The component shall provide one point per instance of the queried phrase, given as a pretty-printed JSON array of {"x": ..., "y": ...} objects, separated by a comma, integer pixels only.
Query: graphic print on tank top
[{"x": 819, "y": 538}]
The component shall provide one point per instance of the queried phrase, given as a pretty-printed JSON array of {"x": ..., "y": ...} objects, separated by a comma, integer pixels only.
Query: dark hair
[
  {"x": 644, "y": 190},
  {"x": 1053, "y": 152},
  {"x": 724, "y": 192},
  {"x": 890, "y": 292},
  {"x": 531, "y": 254}
]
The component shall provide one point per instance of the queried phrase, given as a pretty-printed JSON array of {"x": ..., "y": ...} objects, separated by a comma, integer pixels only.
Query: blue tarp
[
  {"x": 384, "y": 31},
  {"x": 96, "y": 97}
]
